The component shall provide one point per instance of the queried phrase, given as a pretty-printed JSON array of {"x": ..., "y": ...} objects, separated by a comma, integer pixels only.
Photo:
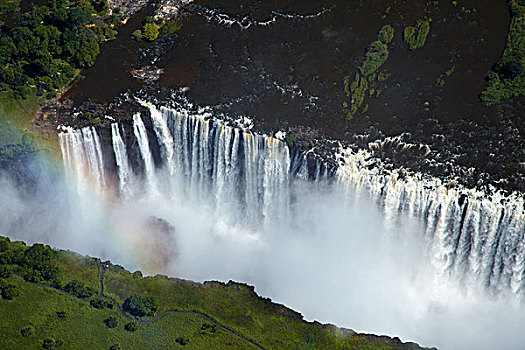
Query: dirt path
[{"x": 156, "y": 318}]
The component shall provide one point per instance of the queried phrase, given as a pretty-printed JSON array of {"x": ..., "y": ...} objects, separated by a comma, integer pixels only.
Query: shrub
[
  {"x": 10, "y": 291},
  {"x": 171, "y": 27},
  {"x": 115, "y": 347},
  {"x": 99, "y": 303},
  {"x": 51, "y": 343},
  {"x": 79, "y": 289},
  {"x": 415, "y": 37},
  {"x": 27, "y": 331},
  {"x": 131, "y": 326},
  {"x": 212, "y": 328},
  {"x": 182, "y": 341},
  {"x": 140, "y": 306},
  {"x": 386, "y": 34},
  {"x": 137, "y": 35},
  {"x": 150, "y": 31},
  {"x": 111, "y": 322},
  {"x": 61, "y": 315}
]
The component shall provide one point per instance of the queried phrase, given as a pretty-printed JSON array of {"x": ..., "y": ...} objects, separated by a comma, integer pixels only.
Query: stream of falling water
[{"x": 365, "y": 247}]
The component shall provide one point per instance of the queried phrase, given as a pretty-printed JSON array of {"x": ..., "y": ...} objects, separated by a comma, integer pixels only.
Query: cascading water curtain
[{"x": 247, "y": 178}]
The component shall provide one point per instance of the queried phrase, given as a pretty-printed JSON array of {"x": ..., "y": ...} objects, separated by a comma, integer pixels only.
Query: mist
[{"x": 335, "y": 258}]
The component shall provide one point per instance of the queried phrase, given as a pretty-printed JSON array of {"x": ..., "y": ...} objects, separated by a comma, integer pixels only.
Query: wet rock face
[{"x": 126, "y": 7}]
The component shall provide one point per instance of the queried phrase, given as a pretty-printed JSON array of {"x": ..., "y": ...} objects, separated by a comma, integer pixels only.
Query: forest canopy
[{"x": 42, "y": 48}]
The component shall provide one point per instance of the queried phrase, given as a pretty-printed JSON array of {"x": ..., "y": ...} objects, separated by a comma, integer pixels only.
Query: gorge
[{"x": 360, "y": 162}]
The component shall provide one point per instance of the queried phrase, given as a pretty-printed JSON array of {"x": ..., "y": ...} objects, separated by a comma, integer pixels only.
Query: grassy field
[
  {"x": 234, "y": 306},
  {"x": 16, "y": 116},
  {"x": 84, "y": 327}
]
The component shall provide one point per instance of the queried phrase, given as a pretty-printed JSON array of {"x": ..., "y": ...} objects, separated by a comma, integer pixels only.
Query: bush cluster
[
  {"x": 111, "y": 322},
  {"x": 36, "y": 263},
  {"x": 140, "y": 306},
  {"x": 415, "y": 37},
  {"x": 79, "y": 289},
  {"x": 99, "y": 303}
]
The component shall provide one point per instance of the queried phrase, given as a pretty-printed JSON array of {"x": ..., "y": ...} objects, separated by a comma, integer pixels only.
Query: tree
[
  {"x": 150, "y": 32},
  {"x": 115, "y": 347},
  {"x": 140, "y": 306},
  {"x": 8, "y": 49},
  {"x": 111, "y": 322},
  {"x": 42, "y": 260},
  {"x": 25, "y": 41},
  {"x": 10, "y": 291},
  {"x": 131, "y": 326},
  {"x": 87, "y": 53}
]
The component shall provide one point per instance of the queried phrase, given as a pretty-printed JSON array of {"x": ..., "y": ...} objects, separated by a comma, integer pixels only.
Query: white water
[
  {"x": 81, "y": 149},
  {"x": 141, "y": 135},
  {"x": 121, "y": 157},
  {"x": 373, "y": 251}
]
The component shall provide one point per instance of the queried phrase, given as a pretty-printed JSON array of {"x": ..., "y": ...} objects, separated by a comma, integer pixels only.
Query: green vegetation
[
  {"x": 48, "y": 318},
  {"x": 99, "y": 303},
  {"x": 376, "y": 55},
  {"x": 132, "y": 326},
  {"x": 172, "y": 26},
  {"x": 42, "y": 52},
  {"x": 79, "y": 289},
  {"x": 441, "y": 80},
  {"x": 150, "y": 32},
  {"x": 111, "y": 322},
  {"x": 386, "y": 34},
  {"x": 507, "y": 78},
  {"x": 415, "y": 37},
  {"x": 140, "y": 306}
]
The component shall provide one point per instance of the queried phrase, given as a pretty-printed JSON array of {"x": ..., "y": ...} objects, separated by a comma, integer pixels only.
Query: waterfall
[
  {"x": 246, "y": 179},
  {"x": 475, "y": 237},
  {"x": 82, "y": 155},
  {"x": 240, "y": 172},
  {"x": 121, "y": 157},
  {"x": 140, "y": 133}
]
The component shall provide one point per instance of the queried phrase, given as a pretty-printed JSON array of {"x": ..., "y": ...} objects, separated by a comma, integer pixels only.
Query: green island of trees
[
  {"x": 42, "y": 49},
  {"x": 365, "y": 79},
  {"x": 507, "y": 78},
  {"x": 416, "y": 37}
]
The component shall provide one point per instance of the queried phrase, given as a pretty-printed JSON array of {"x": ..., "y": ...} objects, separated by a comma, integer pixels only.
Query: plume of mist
[{"x": 335, "y": 259}]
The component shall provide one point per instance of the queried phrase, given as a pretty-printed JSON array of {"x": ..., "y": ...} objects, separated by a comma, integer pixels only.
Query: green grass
[
  {"x": 84, "y": 328},
  {"x": 232, "y": 305},
  {"x": 20, "y": 112}
]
